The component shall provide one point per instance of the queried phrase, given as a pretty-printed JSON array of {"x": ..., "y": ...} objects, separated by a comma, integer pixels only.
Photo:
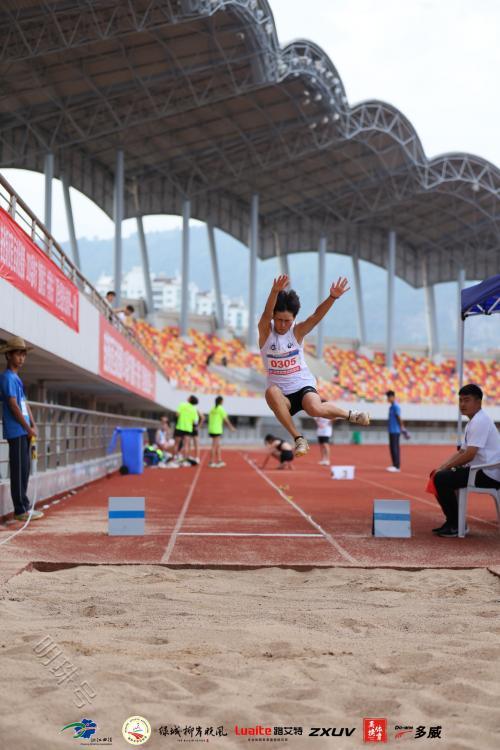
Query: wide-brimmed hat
[{"x": 14, "y": 344}]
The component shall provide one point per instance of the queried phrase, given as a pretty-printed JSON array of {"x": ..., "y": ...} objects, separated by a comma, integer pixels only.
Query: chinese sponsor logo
[
  {"x": 331, "y": 731},
  {"x": 374, "y": 730},
  {"x": 402, "y": 732},
  {"x": 136, "y": 730},
  {"x": 191, "y": 733},
  {"x": 417, "y": 733},
  {"x": 82, "y": 730}
]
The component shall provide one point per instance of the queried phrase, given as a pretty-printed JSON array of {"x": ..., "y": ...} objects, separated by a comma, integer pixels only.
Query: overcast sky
[{"x": 437, "y": 61}]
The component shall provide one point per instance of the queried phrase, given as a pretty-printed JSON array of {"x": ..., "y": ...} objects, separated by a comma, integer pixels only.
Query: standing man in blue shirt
[
  {"x": 18, "y": 427},
  {"x": 396, "y": 427}
]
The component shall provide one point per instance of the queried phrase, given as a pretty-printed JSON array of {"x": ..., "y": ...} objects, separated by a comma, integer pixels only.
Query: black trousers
[
  {"x": 394, "y": 438},
  {"x": 449, "y": 480},
  {"x": 19, "y": 465}
]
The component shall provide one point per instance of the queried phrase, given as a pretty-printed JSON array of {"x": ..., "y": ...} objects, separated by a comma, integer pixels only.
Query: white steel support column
[
  {"x": 254, "y": 250},
  {"x": 282, "y": 257},
  {"x": 321, "y": 294},
  {"x": 70, "y": 222},
  {"x": 460, "y": 346},
  {"x": 430, "y": 310},
  {"x": 186, "y": 212},
  {"x": 391, "y": 275},
  {"x": 118, "y": 218},
  {"x": 359, "y": 299},
  {"x": 49, "y": 176},
  {"x": 219, "y": 312},
  {"x": 145, "y": 264}
]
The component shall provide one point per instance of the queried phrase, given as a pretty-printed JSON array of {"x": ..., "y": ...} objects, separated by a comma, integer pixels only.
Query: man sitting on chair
[{"x": 481, "y": 445}]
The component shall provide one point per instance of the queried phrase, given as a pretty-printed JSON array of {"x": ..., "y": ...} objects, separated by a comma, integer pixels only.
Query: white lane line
[
  {"x": 345, "y": 554},
  {"x": 239, "y": 533},
  {"x": 434, "y": 504},
  {"x": 182, "y": 514}
]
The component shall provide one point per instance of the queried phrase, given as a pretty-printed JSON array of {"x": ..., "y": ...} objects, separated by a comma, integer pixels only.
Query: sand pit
[{"x": 269, "y": 647}]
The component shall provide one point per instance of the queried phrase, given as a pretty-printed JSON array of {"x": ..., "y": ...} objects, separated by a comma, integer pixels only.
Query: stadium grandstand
[
  {"x": 193, "y": 108},
  {"x": 213, "y": 595}
]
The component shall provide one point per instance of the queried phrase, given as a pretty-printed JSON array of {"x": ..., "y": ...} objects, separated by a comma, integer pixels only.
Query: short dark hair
[
  {"x": 111, "y": 292},
  {"x": 193, "y": 400},
  {"x": 287, "y": 302},
  {"x": 130, "y": 308},
  {"x": 219, "y": 400},
  {"x": 269, "y": 438},
  {"x": 389, "y": 393},
  {"x": 471, "y": 389}
]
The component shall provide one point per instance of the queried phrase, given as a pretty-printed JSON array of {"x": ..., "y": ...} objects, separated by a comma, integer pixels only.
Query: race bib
[
  {"x": 24, "y": 409},
  {"x": 283, "y": 363}
]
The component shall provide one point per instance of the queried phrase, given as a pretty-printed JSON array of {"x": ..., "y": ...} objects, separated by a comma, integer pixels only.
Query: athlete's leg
[
  {"x": 315, "y": 407},
  {"x": 280, "y": 405}
]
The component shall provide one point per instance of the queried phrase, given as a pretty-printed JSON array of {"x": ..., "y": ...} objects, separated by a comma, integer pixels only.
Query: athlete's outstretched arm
[
  {"x": 340, "y": 287},
  {"x": 278, "y": 286}
]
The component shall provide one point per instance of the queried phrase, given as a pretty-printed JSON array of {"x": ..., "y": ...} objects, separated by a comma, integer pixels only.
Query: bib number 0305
[{"x": 283, "y": 363}]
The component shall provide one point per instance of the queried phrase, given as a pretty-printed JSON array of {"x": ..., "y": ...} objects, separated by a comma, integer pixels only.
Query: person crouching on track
[
  {"x": 217, "y": 418},
  {"x": 290, "y": 384},
  {"x": 279, "y": 449}
]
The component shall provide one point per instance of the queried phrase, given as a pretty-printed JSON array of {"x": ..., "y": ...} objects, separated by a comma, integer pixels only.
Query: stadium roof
[{"x": 207, "y": 106}]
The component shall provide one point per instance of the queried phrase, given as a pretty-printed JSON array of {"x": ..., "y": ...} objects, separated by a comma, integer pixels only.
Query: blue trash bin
[{"x": 132, "y": 448}]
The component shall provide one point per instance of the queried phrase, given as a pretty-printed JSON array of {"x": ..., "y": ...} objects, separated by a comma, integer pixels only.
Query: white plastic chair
[{"x": 463, "y": 494}]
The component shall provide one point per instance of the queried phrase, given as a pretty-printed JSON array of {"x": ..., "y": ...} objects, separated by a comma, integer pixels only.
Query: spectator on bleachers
[
  {"x": 111, "y": 298},
  {"x": 126, "y": 315}
]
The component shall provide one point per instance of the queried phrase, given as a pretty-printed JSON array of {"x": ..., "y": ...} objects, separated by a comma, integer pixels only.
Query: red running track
[{"x": 241, "y": 516}]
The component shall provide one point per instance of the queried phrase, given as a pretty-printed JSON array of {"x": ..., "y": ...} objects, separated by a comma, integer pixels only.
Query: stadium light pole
[
  {"x": 359, "y": 299},
  {"x": 430, "y": 309},
  {"x": 145, "y": 264},
  {"x": 70, "y": 221},
  {"x": 49, "y": 176},
  {"x": 321, "y": 293},
  {"x": 254, "y": 251},
  {"x": 219, "y": 312},
  {"x": 186, "y": 212},
  {"x": 118, "y": 217},
  {"x": 460, "y": 347},
  {"x": 391, "y": 274}
]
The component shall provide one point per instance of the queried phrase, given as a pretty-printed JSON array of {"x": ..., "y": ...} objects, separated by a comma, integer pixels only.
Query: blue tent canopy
[{"x": 482, "y": 299}]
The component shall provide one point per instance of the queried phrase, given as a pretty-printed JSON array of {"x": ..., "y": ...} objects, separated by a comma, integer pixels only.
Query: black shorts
[
  {"x": 217, "y": 434},
  {"x": 323, "y": 439},
  {"x": 286, "y": 456},
  {"x": 296, "y": 398},
  {"x": 181, "y": 433},
  {"x": 195, "y": 432}
]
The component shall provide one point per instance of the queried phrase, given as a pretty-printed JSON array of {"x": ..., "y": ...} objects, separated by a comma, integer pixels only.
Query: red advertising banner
[
  {"x": 27, "y": 267},
  {"x": 123, "y": 364}
]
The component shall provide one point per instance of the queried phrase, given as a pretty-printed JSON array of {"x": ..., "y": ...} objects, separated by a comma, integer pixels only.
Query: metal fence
[
  {"x": 68, "y": 436},
  {"x": 11, "y": 202}
]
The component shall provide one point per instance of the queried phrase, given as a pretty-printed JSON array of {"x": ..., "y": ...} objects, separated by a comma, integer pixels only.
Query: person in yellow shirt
[
  {"x": 187, "y": 415},
  {"x": 217, "y": 418}
]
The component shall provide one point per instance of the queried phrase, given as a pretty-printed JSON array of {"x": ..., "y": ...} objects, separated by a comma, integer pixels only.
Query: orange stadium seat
[{"x": 356, "y": 377}]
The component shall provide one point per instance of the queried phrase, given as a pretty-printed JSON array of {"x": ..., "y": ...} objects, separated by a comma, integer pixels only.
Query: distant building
[{"x": 167, "y": 296}]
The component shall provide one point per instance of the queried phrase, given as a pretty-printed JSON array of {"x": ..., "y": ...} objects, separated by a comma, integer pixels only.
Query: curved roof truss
[{"x": 207, "y": 106}]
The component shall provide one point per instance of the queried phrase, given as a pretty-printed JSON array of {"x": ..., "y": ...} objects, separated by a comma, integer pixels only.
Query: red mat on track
[{"x": 233, "y": 516}]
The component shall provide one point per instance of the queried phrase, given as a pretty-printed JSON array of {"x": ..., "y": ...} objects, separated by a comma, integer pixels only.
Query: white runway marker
[
  {"x": 182, "y": 514},
  {"x": 328, "y": 537}
]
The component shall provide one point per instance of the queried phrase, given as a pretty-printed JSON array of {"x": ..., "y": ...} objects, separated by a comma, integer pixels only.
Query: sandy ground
[{"x": 323, "y": 648}]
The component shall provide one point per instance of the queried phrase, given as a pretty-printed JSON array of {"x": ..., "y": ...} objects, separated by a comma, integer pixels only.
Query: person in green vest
[
  {"x": 217, "y": 418},
  {"x": 187, "y": 415}
]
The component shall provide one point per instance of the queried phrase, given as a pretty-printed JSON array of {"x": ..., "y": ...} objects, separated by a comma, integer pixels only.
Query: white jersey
[
  {"x": 323, "y": 427},
  {"x": 482, "y": 434},
  {"x": 284, "y": 362}
]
